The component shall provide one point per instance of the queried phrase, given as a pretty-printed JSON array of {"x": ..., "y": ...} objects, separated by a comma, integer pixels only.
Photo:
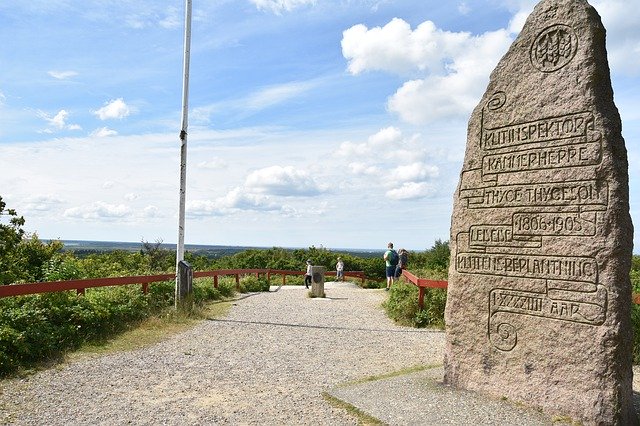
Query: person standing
[
  {"x": 340, "y": 270},
  {"x": 403, "y": 261},
  {"x": 307, "y": 275},
  {"x": 391, "y": 261}
]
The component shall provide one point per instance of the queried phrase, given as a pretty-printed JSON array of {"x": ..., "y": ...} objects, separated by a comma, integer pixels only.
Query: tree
[{"x": 11, "y": 234}]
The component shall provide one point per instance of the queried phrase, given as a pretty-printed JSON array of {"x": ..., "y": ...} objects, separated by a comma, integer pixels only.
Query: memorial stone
[
  {"x": 317, "y": 281},
  {"x": 539, "y": 298}
]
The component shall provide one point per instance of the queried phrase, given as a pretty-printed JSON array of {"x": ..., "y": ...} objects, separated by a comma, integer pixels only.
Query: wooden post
[
  {"x": 184, "y": 291},
  {"x": 215, "y": 281},
  {"x": 421, "y": 298}
]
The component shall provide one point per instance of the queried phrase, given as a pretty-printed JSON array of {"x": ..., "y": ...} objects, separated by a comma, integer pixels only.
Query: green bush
[
  {"x": 37, "y": 328},
  {"x": 251, "y": 284},
  {"x": 402, "y": 304}
]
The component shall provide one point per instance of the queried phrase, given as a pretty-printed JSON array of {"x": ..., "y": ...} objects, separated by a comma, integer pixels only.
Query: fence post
[
  {"x": 184, "y": 291},
  {"x": 215, "y": 281},
  {"x": 421, "y": 298}
]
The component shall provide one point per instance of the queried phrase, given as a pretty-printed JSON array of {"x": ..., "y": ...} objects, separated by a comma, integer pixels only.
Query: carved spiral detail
[
  {"x": 504, "y": 336},
  {"x": 497, "y": 101}
]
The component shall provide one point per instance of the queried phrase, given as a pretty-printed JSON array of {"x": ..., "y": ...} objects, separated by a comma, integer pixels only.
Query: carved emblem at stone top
[{"x": 554, "y": 48}]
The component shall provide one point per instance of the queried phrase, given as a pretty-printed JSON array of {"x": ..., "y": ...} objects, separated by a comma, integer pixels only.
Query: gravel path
[{"x": 267, "y": 362}]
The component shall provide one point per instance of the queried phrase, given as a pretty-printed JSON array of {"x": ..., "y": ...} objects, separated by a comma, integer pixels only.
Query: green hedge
[{"x": 37, "y": 328}]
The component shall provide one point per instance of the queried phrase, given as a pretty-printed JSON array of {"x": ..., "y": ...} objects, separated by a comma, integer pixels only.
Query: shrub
[
  {"x": 251, "y": 283},
  {"x": 37, "y": 328},
  {"x": 402, "y": 305}
]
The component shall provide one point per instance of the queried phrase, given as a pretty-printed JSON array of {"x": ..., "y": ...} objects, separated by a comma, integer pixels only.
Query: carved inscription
[
  {"x": 544, "y": 305},
  {"x": 545, "y": 130},
  {"x": 569, "y": 268},
  {"x": 574, "y": 155},
  {"x": 554, "y": 48},
  {"x": 483, "y": 236},
  {"x": 554, "y": 224},
  {"x": 540, "y": 210},
  {"x": 569, "y": 193}
]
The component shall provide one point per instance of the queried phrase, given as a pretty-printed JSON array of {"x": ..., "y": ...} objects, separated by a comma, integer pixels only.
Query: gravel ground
[{"x": 267, "y": 362}]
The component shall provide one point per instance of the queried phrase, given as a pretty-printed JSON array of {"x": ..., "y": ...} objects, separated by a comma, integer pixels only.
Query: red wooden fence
[
  {"x": 422, "y": 284},
  {"x": 81, "y": 285}
]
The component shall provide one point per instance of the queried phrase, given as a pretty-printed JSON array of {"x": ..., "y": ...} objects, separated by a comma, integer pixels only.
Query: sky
[{"x": 326, "y": 123}]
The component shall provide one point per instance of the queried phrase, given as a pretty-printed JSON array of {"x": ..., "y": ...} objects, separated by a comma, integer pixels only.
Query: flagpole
[{"x": 183, "y": 142}]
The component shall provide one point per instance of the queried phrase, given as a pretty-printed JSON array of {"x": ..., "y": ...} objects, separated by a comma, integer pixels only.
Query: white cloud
[
  {"x": 279, "y": 6},
  {"x": 414, "y": 172},
  {"x": 358, "y": 168},
  {"x": 113, "y": 109},
  {"x": 350, "y": 149},
  {"x": 103, "y": 132},
  {"x": 170, "y": 18},
  {"x": 213, "y": 164},
  {"x": 411, "y": 191},
  {"x": 258, "y": 100},
  {"x": 151, "y": 212},
  {"x": 276, "y": 94},
  {"x": 236, "y": 200},
  {"x": 455, "y": 66},
  {"x": 39, "y": 204},
  {"x": 131, "y": 196},
  {"x": 283, "y": 181},
  {"x": 58, "y": 121},
  {"x": 62, "y": 75},
  {"x": 99, "y": 211},
  {"x": 396, "y": 48},
  {"x": 393, "y": 163}
]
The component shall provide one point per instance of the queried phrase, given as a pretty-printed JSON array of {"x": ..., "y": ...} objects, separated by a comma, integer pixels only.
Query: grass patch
[
  {"x": 401, "y": 372},
  {"x": 363, "y": 418},
  {"x": 151, "y": 331}
]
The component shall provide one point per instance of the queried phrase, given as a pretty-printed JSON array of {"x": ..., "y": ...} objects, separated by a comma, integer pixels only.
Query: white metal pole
[{"x": 183, "y": 137}]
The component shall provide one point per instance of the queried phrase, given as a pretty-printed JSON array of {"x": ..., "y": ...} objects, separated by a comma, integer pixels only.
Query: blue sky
[{"x": 337, "y": 123}]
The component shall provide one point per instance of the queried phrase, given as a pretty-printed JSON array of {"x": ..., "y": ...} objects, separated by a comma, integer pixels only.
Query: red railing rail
[
  {"x": 81, "y": 285},
  {"x": 422, "y": 284}
]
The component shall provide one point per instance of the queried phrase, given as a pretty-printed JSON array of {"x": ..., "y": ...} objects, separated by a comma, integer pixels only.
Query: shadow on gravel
[{"x": 323, "y": 327}]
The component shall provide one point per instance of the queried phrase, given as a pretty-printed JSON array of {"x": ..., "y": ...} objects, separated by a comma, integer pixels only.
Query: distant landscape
[{"x": 82, "y": 248}]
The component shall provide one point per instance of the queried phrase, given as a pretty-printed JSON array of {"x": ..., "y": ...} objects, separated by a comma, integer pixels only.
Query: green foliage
[
  {"x": 635, "y": 274},
  {"x": 635, "y": 322},
  {"x": 11, "y": 234},
  {"x": 62, "y": 267},
  {"x": 402, "y": 305},
  {"x": 251, "y": 283},
  {"x": 434, "y": 259},
  {"x": 42, "y": 327},
  {"x": 23, "y": 258},
  {"x": 32, "y": 257},
  {"x": 157, "y": 258}
]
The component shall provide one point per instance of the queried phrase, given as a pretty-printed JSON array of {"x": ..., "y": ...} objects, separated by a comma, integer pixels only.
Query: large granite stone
[{"x": 539, "y": 297}]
